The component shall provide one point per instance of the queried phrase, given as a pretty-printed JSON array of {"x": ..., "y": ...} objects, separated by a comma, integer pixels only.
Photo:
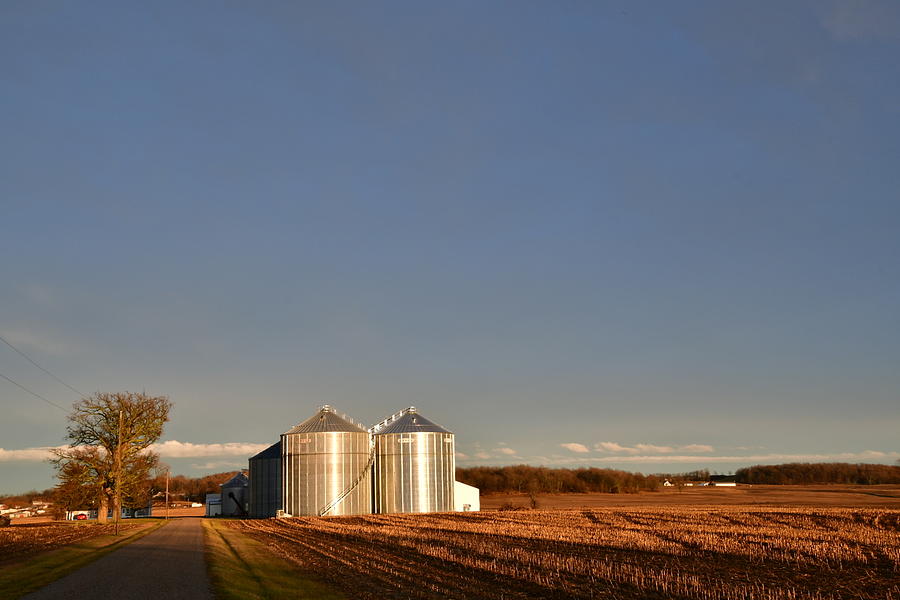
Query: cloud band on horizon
[{"x": 167, "y": 449}]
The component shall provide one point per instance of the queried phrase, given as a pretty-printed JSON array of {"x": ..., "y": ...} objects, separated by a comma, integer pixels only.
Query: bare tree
[{"x": 108, "y": 456}]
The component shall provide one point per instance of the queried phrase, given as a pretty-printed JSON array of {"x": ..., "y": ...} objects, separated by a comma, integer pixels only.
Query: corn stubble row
[
  {"x": 743, "y": 553},
  {"x": 21, "y": 540}
]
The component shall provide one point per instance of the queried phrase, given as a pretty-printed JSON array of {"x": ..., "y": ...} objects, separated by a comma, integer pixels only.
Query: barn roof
[{"x": 239, "y": 480}]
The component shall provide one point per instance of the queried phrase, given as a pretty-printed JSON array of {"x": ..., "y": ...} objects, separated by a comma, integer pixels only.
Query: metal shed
[{"x": 265, "y": 482}]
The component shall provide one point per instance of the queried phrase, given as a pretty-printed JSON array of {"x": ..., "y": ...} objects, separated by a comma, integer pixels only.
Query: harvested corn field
[
  {"x": 747, "y": 553},
  {"x": 23, "y": 540}
]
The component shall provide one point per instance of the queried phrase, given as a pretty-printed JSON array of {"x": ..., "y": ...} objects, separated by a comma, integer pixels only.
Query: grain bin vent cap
[
  {"x": 412, "y": 422},
  {"x": 326, "y": 420}
]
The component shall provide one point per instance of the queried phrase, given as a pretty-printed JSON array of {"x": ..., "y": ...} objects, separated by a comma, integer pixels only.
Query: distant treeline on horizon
[
  {"x": 545, "y": 480},
  {"x": 812, "y": 473}
]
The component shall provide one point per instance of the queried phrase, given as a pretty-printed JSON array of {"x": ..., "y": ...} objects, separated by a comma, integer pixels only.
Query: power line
[
  {"x": 35, "y": 394},
  {"x": 29, "y": 359}
]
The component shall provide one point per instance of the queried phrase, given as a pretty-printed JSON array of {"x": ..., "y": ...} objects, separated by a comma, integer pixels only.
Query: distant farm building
[
  {"x": 465, "y": 497},
  {"x": 234, "y": 496},
  {"x": 213, "y": 505},
  {"x": 723, "y": 480}
]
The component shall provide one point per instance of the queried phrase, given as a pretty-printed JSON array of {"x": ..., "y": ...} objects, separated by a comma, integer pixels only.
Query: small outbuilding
[
  {"x": 466, "y": 498},
  {"x": 235, "y": 493},
  {"x": 213, "y": 505}
]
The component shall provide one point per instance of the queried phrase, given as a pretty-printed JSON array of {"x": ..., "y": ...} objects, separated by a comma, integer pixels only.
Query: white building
[{"x": 465, "y": 497}]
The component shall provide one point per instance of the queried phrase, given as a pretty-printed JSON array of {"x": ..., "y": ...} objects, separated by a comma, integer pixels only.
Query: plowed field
[
  {"x": 728, "y": 552},
  {"x": 20, "y": 541}
]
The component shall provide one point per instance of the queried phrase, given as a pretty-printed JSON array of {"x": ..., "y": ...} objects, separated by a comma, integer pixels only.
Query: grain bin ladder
[
  {"x": 372, "y": 430},
  {"x": 327, "y": 508}
]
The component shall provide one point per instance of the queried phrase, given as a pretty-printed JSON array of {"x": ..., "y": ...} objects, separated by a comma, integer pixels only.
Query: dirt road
[{"x": 168, "y": 563}]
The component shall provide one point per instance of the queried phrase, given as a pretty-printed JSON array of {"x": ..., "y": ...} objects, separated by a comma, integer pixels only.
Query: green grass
[
  {"x": 18, "y": 578},
  {"x": 241, "y": 567}
]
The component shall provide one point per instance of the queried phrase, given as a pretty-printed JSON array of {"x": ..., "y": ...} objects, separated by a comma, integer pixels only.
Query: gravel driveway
[{"x": 167, "y": 563}]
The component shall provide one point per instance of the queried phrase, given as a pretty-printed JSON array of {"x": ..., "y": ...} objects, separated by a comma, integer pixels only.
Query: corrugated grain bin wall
[
  {"x": 322, "y": 458},
  {"x": 415, "y": 466},
  {"x": 265, "y": 482}
]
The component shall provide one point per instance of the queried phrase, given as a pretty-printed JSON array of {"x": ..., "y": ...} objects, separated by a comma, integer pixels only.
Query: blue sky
[{"x": 656, "y": 237}]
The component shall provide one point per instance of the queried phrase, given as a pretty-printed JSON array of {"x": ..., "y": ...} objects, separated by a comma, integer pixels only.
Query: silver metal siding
[
  {"x": 265, "y": 486},
  {"x": 414, "y": 472},
  {"x": 319, "y": 466}
]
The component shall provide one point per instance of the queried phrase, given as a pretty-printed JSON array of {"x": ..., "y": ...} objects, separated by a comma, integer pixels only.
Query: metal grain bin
[
  {"x": 234, "y": 496},
  {"x": 326, "y": 467},
  {"x": 265, "y": 482},
  {"x": 415, "y": 465}
]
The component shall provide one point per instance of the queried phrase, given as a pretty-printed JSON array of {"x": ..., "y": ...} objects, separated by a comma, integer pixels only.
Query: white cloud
[
  {"x": 505, "y": 450},
  {"x": 176, "y": 449},
  {"x": 168, "y": 449},
  {"x": 25, "y": 454},
  {"x": 649, "y": 448},
  {"x": 652, "y": 448},
  {"x": 696, "y": 448},
  {"x": 218, "y": 465},
  {"x": 483, "y": 455},
  {"x": 461, "y": 456},
  {"x": 575, "y": 447},
  {"x": 773, "y": 458},
  {"x": 613, "y": 447}
]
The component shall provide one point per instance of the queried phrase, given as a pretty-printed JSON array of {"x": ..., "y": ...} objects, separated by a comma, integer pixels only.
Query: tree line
[
  {"x": 812, "y": 473},
  {"x": 543, "y": 480},
  {"x": 191, "y": 489},
  {"x": 26, "y": 498},
  {"x": 524, "y": 479},
  {"x": 181, "y": 488}
]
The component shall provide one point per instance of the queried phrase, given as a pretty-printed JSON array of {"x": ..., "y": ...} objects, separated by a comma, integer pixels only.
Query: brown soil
[
  {"x": 160, "y": 511},
  {"x": 629, "y": 553},
  {"x": 26, "y": 537}
]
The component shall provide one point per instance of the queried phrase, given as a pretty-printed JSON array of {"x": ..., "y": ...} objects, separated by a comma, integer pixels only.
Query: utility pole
[
  {"x": 167, "y": 494},
  {"x": 117, "y": 504}
]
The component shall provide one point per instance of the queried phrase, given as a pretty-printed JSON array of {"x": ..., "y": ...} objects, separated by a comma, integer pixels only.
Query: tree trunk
[
  {"x": 104, "y": 506},
  {"x": 117, "y": 499}
]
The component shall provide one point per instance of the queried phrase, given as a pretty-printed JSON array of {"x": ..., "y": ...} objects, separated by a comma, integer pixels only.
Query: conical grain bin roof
[
  {"x": 326, "y": 420},
  {"x": 412, "y": 422}
]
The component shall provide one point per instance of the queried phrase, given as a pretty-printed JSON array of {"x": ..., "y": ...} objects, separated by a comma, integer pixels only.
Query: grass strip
[
  {"x": 19, "y": 578},
  {"x": 241, "y": 567}
]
